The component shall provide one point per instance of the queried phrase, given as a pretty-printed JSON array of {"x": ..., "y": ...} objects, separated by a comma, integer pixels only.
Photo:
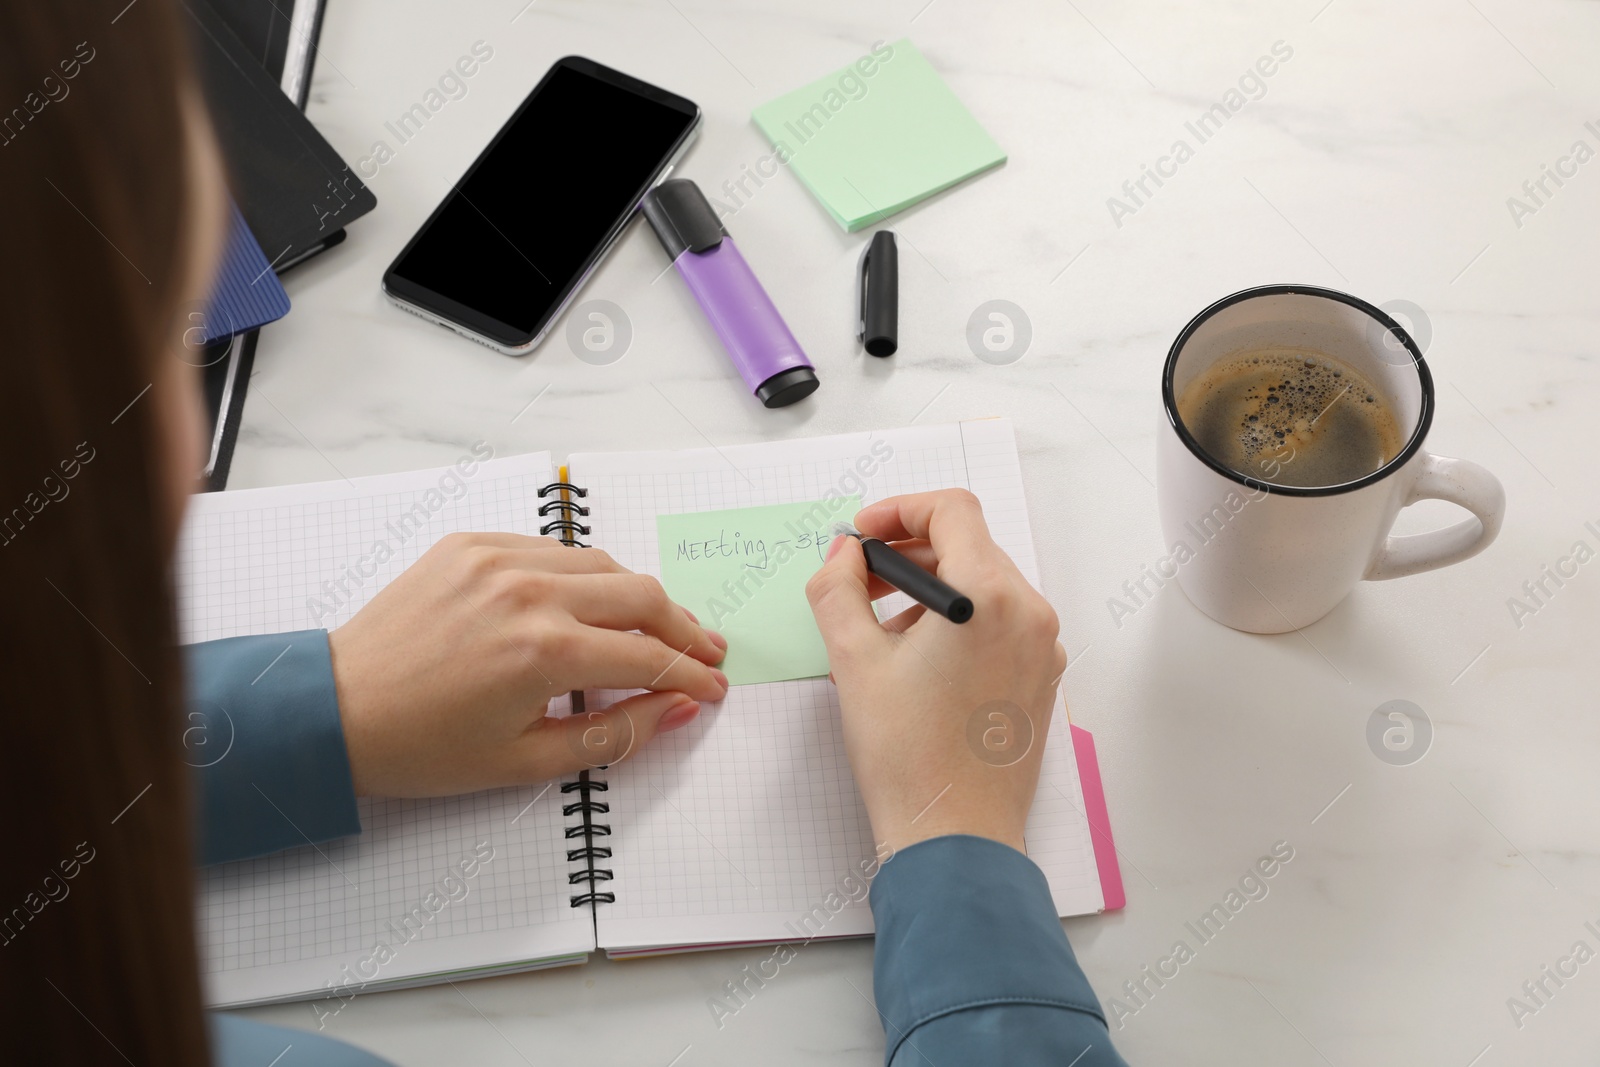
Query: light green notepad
[
  {"x": 878, "y": 136},
  {"x": 744, "y": 571}
]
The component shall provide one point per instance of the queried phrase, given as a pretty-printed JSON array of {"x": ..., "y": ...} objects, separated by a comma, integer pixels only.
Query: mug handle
[{"x": 1461, "y": 482}]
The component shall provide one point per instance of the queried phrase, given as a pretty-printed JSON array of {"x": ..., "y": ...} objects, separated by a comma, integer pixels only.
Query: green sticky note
[
  {"x": 878, "y": 136},
  {"x": 743, "y": 572}
]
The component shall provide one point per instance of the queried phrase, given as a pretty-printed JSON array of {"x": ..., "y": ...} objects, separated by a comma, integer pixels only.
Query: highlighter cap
[
  {"x": 682, "y": 218},
  {"x": 764, "y": 351}
]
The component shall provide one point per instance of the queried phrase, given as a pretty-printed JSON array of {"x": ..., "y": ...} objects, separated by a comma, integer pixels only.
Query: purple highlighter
[{"x": 768, "y": 357}]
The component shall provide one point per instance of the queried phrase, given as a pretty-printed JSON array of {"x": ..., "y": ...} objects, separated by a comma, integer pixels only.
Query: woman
[{"x": 114, "y": 203}]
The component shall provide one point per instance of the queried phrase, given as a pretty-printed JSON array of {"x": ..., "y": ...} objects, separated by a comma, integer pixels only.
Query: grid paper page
[
  {"x": 284, "y": 926},
  {"x": 746, "y": 824}
]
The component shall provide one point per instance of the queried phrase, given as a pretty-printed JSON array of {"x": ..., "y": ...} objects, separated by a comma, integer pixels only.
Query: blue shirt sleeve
[
  {"x": 264, "y": 735},
  {"x": 971, "y": 965}
]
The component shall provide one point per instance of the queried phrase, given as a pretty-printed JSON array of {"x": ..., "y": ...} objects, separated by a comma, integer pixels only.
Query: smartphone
[{"x": 519, "y": 234}]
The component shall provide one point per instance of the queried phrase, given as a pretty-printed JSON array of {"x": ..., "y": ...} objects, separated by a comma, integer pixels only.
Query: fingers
[
  {"x": 638, "y": 602},
  {"x": 468, "y": 539},
  {"x": 585, "y": 561},
  {"x": 950, "y": 519},
  {"x": 951, "y": 523},
  {"x": 468, "y": 559},
  {"x": 610, "y": 735},
  {"x": 611, "y": 659},
  {"x": 538, "y": 557},
  {"x": 579, "y": 561},
  {"x": 839, "y": 600}
]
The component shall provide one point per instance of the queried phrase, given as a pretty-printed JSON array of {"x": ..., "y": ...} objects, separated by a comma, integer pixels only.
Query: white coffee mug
[{"x": 1271, "y": 558}]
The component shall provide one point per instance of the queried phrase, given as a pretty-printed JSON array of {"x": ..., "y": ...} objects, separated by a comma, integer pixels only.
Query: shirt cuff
[
  {"x": 962, "y": 923},
  {"x": 264, "y": 735}
]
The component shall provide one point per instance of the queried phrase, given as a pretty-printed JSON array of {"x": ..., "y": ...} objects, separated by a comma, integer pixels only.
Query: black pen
[{"x": 910, "y": 579}]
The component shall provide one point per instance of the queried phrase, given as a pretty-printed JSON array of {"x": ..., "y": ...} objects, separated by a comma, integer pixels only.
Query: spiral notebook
[{"x": 743, "y": 827}]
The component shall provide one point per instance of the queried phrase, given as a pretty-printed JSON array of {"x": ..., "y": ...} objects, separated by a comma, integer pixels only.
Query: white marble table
[{"x": 1378, "y": 159}]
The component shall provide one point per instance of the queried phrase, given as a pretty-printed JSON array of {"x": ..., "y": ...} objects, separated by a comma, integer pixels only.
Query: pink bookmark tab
[{"x": 1094, "y": 803}]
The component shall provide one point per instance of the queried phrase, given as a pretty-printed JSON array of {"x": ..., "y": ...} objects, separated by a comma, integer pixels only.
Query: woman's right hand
[{"x": 945, "y": 724}]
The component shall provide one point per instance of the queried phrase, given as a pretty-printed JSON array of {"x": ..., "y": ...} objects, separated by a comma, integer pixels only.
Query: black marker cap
[
  {"x": 682, "y": 217},
  {"x": 878, "y": 319}
]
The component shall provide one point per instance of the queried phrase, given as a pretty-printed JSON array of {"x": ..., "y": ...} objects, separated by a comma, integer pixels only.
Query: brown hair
[{"x": 96, "y": 889}]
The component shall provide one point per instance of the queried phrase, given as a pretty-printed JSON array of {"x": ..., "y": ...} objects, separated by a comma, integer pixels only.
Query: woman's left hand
[{"x": 444, "y": 678}]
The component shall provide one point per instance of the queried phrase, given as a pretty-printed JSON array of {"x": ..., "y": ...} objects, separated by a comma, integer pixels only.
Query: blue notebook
[{"x": 246, "y": 293}]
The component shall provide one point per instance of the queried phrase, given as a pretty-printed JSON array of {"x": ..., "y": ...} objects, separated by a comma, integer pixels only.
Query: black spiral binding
[
  {"x": 570, "y": 509},
  {"x": 587, "y": 785},
  {"x": 565, "y": 525}
]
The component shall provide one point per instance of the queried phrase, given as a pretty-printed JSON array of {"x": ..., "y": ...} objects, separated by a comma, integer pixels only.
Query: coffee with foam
[{"x": 1290, "y": 416}]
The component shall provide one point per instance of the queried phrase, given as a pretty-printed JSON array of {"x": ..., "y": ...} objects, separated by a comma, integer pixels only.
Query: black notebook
[
  {"x": 295, "y": 192},
  {"x": 293, "y": 189},
  {"x": 281, "y": 35}
]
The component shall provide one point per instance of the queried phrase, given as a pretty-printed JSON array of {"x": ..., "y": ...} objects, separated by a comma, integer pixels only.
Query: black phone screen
[{"x": 522, "y": 227}]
